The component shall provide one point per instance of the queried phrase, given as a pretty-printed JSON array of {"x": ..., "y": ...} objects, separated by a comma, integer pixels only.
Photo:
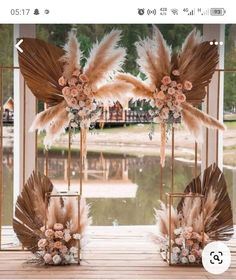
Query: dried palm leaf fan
[
  {"x": 31, "y": 211},
  {"x": 56, "y": 77},
  {"x": 176, "y": 82},
  {"x": 218, "y": 216}
]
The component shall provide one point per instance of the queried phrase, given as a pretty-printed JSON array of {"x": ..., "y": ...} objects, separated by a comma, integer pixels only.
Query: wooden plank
[{"x": 112, "y": 253}]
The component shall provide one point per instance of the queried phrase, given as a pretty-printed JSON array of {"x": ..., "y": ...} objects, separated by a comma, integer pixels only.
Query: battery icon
[{"x": 217, "y": 11}]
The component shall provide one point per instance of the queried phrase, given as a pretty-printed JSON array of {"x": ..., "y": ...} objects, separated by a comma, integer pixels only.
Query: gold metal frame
[
  {"x": 49, "y": 195},
  {"x": 47, "y": 155},
  {"x": 169, "y": 203}
]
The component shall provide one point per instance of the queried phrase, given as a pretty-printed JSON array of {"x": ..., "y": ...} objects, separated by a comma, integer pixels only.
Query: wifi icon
[{"x": 174, "y": 12}]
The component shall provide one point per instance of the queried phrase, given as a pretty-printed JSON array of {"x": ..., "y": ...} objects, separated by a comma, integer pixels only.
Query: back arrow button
[{"x": 17, "y": 46}]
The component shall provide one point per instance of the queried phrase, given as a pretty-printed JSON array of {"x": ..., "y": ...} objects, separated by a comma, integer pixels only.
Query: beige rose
[
  {"x": 166, "y": 80},
  {"x": 188, "y": 85},
  {"x": 62, "y": 81},
  {"x": 59, "y": 234},
  {"x": 42, "y": 243},
  {"x": 47, "y": 258},
  {"x": 49, "y": 233}
]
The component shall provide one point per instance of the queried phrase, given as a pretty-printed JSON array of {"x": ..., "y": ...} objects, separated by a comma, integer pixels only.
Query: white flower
[
  {"x": 67, "y": 237},
  {"x": 81, "y": 103},
  {"x": 73, "y": 250},
  {"x": 67, "y": 258},
  {"x": 191, "y": 258},
  {"x": 177, "y": 231},
  {"x": 47, "y": 258},
  {"x": 152, "y": 103},
  {"x": 56, "y": 259},
  {"x": 184, "y": 260},
  {"x": 176, "y": 250},
  {"x": 76, "y": 236},
  {"x": 174, "y": 258}
]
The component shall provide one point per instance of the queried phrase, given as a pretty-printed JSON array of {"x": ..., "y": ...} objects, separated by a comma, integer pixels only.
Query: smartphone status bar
[{"x": 115, "y": 12}]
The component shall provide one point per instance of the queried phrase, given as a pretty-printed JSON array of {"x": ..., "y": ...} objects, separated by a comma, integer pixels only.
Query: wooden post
[{"x": 212, "y": 147}]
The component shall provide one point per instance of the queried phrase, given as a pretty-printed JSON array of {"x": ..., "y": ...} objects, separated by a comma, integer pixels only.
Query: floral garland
[
  {"x": 56, "y": 247},
  {"x": 82, "y": 108}
]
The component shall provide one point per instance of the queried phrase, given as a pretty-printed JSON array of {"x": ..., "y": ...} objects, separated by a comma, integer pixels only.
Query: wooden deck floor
[{"x": 112, "y": 253}]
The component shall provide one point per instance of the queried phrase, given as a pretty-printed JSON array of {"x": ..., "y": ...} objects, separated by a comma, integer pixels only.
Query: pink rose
[
  {"x": 195, "y": 252},
  {"x": 189, "y": 229},
  {"x": 187, "y": 235},
  {"x": 159, "y": 103},
  {"x": 62, "y": 81},
  {"x": 184, "y": 252},
  {"x": 161, "y": 95},
  {"x": 42, "y": 243},
  {"x": 49, "y": 233},
  {"x": 168, "y": 98},
  {"x": 72, "y": 102},
  {"x": 67, "y": 237},
  {"x": 179, "y": 86},
  {"x": 176, "y": 72},
  {"x": 63, "y": 249},
  {"x": 164, "y": 88},
  {"x": 164, "y": 114},
  {"x": 74, "y": 92},
  {"x": 173, "y": 84},
  {"x": 73, "y": 81},
  {"x": 58, "y": 226},
  {"x": 83, "y": 78},
  {"x": 180, "y": 98},
  {"x": 76, "y": 73},
  {"x": 188, "y": 85},
  {"x": 171, "y": 91},
  {"x": 189, "y": 242},
  {"x": 58, "y": 244},
  {"x": 59, "y": 234},
  {"x": 66, "y": 91},
  {"x": 47, "y": 258},
  {"x": 179, "y": 241},
  {"x": 166, "y": 80},
  {"x": 80, "y": 87},
  {"x": 196, "y": 246}
]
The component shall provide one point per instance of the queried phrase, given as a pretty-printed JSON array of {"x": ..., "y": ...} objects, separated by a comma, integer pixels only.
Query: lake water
[{"x": 121, "y": 189}]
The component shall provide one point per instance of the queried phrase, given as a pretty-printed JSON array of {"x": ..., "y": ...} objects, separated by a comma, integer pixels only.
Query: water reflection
[{"x": 122, "y": 189}]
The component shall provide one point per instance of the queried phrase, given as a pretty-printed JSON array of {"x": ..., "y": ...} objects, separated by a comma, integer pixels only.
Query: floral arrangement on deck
[
  {"x": 187, "y": 246},
  {"x": 203, "y": 214},
  {"x": 175, "y": 83},
  {"x": 57, "y": 246},
  {"x": 48, "y": 224}
]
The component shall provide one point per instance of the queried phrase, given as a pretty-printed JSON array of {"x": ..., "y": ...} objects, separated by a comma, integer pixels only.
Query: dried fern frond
[
  {"x": 192, "y": 124},
  {"x": 72, "y": 56},
  {"x": 162, "y": 220},
  {"x": 147, "y": 60},
  {"x": 39, "y": 64},
  {"x": 205, "y": 119},
  {"x": 197, "y": 64},
  {"x": 44, "y": 118},
  {"x": 114, "y": 91},
  {"x": 163, "y": 53},
  {"x": 140, "y": 89},
  {"x": 30, "y": 210},
  {"x": 105, "y": 58},
  {"x": 218, "y": 214},
  {"x": 56, "y": 128}
]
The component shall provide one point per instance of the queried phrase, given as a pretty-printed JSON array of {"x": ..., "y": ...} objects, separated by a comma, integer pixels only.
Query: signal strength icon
[
  {"x": 191, "y": 12},
  {"x": 203, "y": 12},
  {"x": 174, "y": 12}
]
